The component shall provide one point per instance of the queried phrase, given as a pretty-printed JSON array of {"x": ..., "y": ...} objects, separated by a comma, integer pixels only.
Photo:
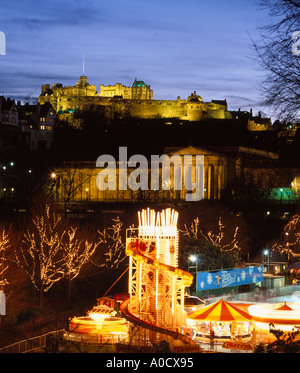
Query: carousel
[
  {"x": 220, "y": 321},
  {"x": 285, "y": 317},
  {"x": 100, "y": 328}
]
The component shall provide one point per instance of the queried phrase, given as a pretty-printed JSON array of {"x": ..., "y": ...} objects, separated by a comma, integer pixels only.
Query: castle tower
[
  {"x": 83, "y": 78},
  {"x": 83, "y": 81},
  {"x": 141, "y": 91},
  {"x": 194, "y": 107}
]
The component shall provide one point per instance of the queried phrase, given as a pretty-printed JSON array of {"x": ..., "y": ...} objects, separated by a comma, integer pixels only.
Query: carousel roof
[
  {"x": 284, "y": 307},
  {"x": 221, "y": 311}
]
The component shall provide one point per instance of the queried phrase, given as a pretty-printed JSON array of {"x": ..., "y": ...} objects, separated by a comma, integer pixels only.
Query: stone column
[
  {"x": 206, "y": 167},
  {"x": 215, "y": 183},
  {"x": 209, "y": 182},
  {"x": 220, "y": 181}
]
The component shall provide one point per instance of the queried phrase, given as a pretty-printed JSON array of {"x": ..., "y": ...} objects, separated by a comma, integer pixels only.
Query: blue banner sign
[{"x": 232, "y": 277}]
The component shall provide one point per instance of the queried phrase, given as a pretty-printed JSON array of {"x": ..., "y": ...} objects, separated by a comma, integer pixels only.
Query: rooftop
[{"x": 138, "y": 83}]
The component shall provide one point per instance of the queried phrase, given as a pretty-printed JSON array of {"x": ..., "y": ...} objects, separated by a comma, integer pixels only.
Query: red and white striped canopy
[{"x": 221, "y": 311}]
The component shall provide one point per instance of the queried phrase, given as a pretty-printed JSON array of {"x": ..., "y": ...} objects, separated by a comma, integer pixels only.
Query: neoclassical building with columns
[
  {"x": 224, "y": 171},
  {"x": 214, "y": 172}
]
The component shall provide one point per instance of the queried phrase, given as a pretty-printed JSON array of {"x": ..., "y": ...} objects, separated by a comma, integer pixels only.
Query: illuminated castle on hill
[
  {"x": 139, "y": 91},
  {"x": 135, "y": 101}
]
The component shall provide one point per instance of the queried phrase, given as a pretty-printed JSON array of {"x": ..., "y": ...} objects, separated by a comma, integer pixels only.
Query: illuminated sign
[
  {"x": 226, "y": 278},
  {"x": 237, "y": 345}
]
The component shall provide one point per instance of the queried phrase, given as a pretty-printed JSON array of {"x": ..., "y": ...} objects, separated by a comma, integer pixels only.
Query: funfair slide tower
[{"x": 156, "y": 284}]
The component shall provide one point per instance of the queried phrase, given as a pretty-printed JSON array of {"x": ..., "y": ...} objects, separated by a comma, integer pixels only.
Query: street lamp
[
  {"x": 52, "y": 182},
  {"x": 192, "y": 268},
  {"x": 266, "y": 258},
  {"x": 193, "y": 260}
]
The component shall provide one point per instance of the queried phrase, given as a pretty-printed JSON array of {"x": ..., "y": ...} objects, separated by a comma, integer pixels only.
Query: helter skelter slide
[{"x": 156, "y": 284}]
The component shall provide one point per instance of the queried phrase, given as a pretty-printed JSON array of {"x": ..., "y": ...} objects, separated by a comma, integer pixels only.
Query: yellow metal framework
[{"x": 156, "y": 284}]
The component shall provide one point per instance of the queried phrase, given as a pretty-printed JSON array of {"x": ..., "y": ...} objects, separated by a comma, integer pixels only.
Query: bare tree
[
  {"x": 5, "y": 244},
  {"x": 53, "y": 248},
  {"x": 111, "y": 247},
  {"x": 40, "y": 252},
  {"x": 289, "y": 242},
  {"x": 278, "y": 57},
  {"x": 67, "y": 183},
  {"x": 217, "y": 239},
  {"x": 77, "y": 251}
]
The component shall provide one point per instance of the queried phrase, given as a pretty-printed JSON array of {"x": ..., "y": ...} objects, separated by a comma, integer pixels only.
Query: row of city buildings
[{"x": 31, "y": 124}]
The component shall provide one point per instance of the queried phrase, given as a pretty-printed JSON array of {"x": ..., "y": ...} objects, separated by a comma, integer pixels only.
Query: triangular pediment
[{"x": 189, "y": 150}]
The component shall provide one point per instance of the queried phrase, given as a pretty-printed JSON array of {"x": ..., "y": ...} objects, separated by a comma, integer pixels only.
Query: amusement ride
[{"x": 153, "y": 316}]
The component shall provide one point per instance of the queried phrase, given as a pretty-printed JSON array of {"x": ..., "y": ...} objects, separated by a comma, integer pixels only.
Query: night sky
[{"x": 175, "y": 46}]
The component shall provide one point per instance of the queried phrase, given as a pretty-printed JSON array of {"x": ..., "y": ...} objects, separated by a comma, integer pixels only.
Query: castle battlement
[{"x": 136, "y": 101}]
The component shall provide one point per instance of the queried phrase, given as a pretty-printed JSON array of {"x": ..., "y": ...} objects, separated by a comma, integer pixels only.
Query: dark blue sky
[{"x": 175, "y": 46}]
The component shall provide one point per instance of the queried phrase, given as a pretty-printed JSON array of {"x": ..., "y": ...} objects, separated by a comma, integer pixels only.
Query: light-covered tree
[
  {"x": 5, "y": 244},
  {"x": 217, "y": 239},
  {"x": 77, "y": 251},
  {"x": 214, "y": 249},
  {"x": 40, "y": 252},
  {"x": 110, "y": 240},
  {"x": 289, "y": 241}
]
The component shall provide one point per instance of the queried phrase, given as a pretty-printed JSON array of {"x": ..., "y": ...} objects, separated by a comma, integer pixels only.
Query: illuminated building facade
[
  {"x": 33, "y": 123},
  {"x": 82, "y": 176},
  {"x": 58, "y": 95},
  {"x": 139, "y": 90},
  {"x": 40, "y": 121},
  {"x": 137, "y": 101},
  {"x": 8, "y": 112},
  {"x": 228, "y": 170}
]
